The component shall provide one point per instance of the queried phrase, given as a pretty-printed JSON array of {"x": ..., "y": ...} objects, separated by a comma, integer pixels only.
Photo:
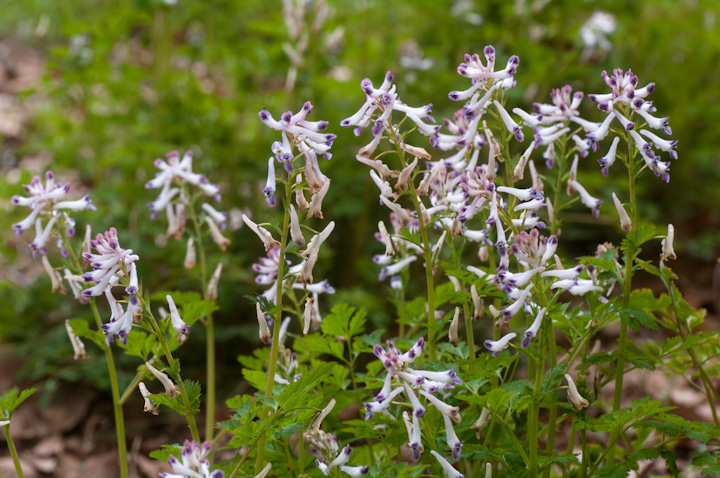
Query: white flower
[
  {"x": 182, "y": 329},
  {"x": 450, "y": 472},
  {"x": 452, "y": 412},
  {"x": 107, "y": 262},
  {"x": 625, "y": 222},
  {"x": 150, "y": 406},
  {"x": 586, "y": 198},
  {"x": 262, "y": 233},
  {"x": 497, "y": 346},
  {"x": 264, "y": 330},
  {"x": 574, "y": 396},
  {"x": 667, "y": 245},
  {"x": 608, "y": 160},
  {"x": 295, "y": 232},
  {"x": 452, "y": 438},
  {"x": 77, "y": 345},
  {"x": 371, "y": 408},
  {"x": 533, "y": 330},
  {"x": 170, "y": 389},
  {"x": 194, "y": 462}
]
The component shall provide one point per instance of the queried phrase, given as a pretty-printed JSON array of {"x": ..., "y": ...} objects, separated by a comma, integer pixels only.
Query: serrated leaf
[
  {"x": 410, "y": 313},
  {"x": 337, "y": 322},
  {"x": 139, "y": 345},
  {"x": 634, "y": 318},
  {"x": 164, "y": 453},
  {"x": 256, "y": 378}
]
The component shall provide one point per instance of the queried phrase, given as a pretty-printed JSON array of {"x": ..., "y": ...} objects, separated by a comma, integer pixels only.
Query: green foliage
[{"x": 12, "y": 399}]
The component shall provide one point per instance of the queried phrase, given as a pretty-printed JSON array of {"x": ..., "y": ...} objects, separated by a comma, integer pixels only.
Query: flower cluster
[
  {"x": 324, "y": 447},
  {"x": 112, "y": 264},
  {"x": 193, "y": 462},
  {"x": 174, "y": 174},
  {"x": 47, "y": 200},
  {"x": 297, "y": 132},
  {"x": 400, "y": 378},
  {"x": 622, "y": 103}
]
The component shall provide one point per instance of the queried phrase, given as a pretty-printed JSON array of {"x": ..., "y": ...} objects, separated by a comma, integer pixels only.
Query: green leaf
[
  {"x": 636, "y": 238},
  {"x": 11, "y": 399},
  {"x": 256, "y": 378},
  {"x": 81, "y": 328},
  {"x": 164, "y": 453},
  {"x": 140, "y": 345},
  {"x": 634, "y": 317},
  {"x": 412, "y": 312},
  {"x": 337, "y": 322},
  {"x": 357, "y": 323}
]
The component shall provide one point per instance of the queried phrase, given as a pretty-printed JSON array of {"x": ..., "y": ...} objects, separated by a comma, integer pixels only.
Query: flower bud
[
  {"x": 170, "y": 389},
  {"x": 150, "y": 406},
  {"x": 625, "y": 222},
  {"x": 190, "y": 255},
  {"x": 264, "y": 330},
  {"x": 574, "y": 396},
  {"x": 213, "y": 283}
]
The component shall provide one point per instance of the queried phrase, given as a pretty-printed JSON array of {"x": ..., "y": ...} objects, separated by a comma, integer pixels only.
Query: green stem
[
  {"x": 117, "y": 406},
  {"x": 112, "y": 371},
  {"x": 209, "y": 334},
  {"x": 13, "y": 451},
  {"x": 583, "y": 439},
  {"x": 707, "y": 383},
  {"x": 426, "y": 249},
  {"x": 535, "y": 416},
  {"x": 627, "y": 291},
  {"x": 133, "y": 385},
  {"x": 552, "y": 419},
  {"x": 259, "y": 461},
  {"x": 558, "y": 186},
  {"x": 466, "y": 308},
  {"x": 188, "y": 415}
]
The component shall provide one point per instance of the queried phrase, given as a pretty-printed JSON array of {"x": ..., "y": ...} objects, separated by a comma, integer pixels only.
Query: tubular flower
[
  {"x": 574, "y": 396},
  {"x": 408, "y": 380},
  {"x": 77, "y": 345},
  {"x": 170, "y": 389},
  {"x": 182, "y": 329},
  {"x": 450, "y": 472},
  {"x": 44, "y": 200},
  {"x": 497, "y": 346},
  {"x": 533, "y": 330},
  {"x": 193, "y": 462},
  {"x": 150, "y": 406},
  {"x": 667, "y": 245}
]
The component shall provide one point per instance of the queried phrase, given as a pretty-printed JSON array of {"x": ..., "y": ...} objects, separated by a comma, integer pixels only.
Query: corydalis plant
[{"x": 299, "y": 138}]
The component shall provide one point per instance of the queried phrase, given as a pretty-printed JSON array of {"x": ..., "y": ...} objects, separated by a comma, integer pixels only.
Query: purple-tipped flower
[
  {"x": 450, "y": 472},
  {"x": 182, "y": 329},
  {"x": 193, "y": 462},
  {"x": 533, "y": 330},
  {"x": 497, "y": 346},
  {"x": 586, "y": 199}
]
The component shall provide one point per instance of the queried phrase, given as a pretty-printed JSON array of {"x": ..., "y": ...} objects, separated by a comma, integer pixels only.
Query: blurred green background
[{"x": 123, "y": 82}]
